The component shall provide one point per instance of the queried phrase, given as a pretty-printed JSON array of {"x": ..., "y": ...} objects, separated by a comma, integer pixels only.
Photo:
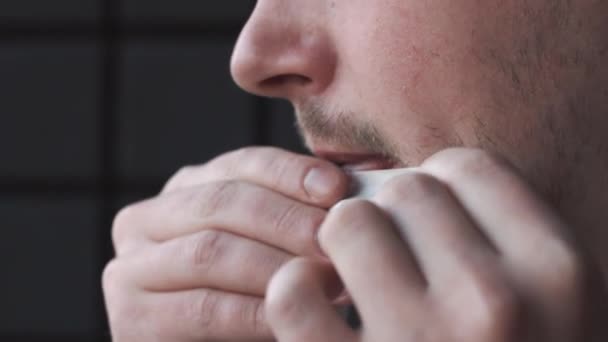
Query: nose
[{"x": 285, "y": 50}]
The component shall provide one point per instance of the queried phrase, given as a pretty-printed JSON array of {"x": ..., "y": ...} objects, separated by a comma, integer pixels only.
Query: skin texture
[
  {"x": 513, "y": 77},
  {"x": 193, "y": 263},
  {"x": 499, "y": 239},
  {"x": 521, "y": 79}
]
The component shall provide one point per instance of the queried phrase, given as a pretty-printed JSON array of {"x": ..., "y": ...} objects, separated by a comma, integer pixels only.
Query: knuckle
[
  {"x": 346, "y": 219},
  {"x": 503, "y": 323},
  {"x": 288, "y": 217},
  {"x": 254, "y": 155},
  {"x": 503, "y": 306},
  {"x": 207, "y": 248},
  {"x": 123, "y": 224},
  {"x": 297, "y": 219},
  {"x": 224, "y": 165},
  {"x": 215, "y": 197},
  {"x": 473, "y": 162},
  {"x": 120, "y": 313},
  {"x": 184, "y": 172},
  {"x": 283, "y": 168},
  {"x": 293, "y": 219},
  {"x": 203, "y": 310},
  {"x": 233, "y": 163},
  {"x": 478, "y": 160},
  {"x": 179, "y": 177},
  {"x": 568, "y": 272},
  {"x": 286, "y": 289},
  {"x": 567, "y": 261},
  {"x": 495, "y": 313},
  {"x": 251, "y": 313},
  {"x": 110, "y": 277},
  {"x": 248, "y": 151},
  {"x": 121, "y": 306}
]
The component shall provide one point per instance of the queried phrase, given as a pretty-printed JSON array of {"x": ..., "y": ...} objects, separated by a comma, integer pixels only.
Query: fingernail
[
  {"x": 340, "y": 204},
  {"x": 320, "y": 182},
  {"x": 319, "y": 249}
]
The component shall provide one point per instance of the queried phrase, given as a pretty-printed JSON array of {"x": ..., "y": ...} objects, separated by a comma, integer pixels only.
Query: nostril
[{"x": 285, "y": 80}]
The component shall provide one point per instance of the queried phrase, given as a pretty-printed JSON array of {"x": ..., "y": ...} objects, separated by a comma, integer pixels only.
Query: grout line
[
  {"x": 110, "y": 34},
  {"x": 49, "y": 31},
  {"x": 45, "y": 337},
  {"x": 73, "y": 189},
  {"x": 262, "y": 132},
  {"x": 109, "y": 69}
]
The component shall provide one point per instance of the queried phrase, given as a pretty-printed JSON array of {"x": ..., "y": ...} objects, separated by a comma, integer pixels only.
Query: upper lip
[{"x": 354, "y": 159}]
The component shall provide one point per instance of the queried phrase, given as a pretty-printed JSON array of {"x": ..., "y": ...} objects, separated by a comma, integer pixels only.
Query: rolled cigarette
[{"x": 365, "y": 184}]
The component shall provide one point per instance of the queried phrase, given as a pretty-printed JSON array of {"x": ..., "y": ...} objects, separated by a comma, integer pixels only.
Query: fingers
[
  {"x": 215, "y": 235},
  {"x": 307, "y": 179},
  {"x": 534, "y": 243},
  {"x": 194, "y": 315},
  {"x": 298, "y": 304},
  {"x": 214, "y": 316},
  {"x": 232, "y": 206},
  {"x": 372, "y": 260},
  {"x": 446, "y": 243},
  {"x": 209, "y": 259},
  {"x": 501, "y": 204}
]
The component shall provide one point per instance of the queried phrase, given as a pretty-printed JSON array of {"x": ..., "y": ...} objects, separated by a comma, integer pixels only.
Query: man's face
[{"x": 383, "y": 83}]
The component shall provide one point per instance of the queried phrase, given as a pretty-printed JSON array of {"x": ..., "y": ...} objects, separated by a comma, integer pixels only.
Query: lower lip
[
  {"x": 371, "y": 164},
  {"x": 358, "y": 161}
]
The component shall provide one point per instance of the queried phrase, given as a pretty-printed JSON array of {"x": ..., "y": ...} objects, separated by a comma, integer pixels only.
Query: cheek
[
  {"x": 433, "y": 64},
  {"x": 411, "y": 62},
  {"x": 426, "y": 71},
  {"x": 413, "y": 53},
  {"x": 427, "y": 61}
]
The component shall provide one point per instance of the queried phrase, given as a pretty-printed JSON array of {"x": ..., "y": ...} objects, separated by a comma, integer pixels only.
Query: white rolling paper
[{"x": 365, "y": 184}]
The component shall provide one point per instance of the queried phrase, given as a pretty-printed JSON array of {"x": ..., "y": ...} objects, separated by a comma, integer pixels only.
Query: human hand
[
  {"x": 193, "y": 263},
  {"x": 461, "y": 251}
]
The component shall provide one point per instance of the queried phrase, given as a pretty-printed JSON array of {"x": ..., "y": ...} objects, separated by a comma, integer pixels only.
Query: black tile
[
  {"x": 49, "y": 106},
  {"x": 48, "y": 257},
  {"x": 178, "y": 106},
  {"x": 44, "y": 11},
  {"x": 283, "y": 131},
  {"x": 178, "y": 11}
]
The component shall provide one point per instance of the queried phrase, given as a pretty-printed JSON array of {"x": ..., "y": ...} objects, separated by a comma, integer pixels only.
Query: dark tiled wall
[
  {"x": 35, "y": 12},
  {"x": 49, "y": 101},
  {"x": 100, "y": 102},
  {"x": 201, "y": 114}
]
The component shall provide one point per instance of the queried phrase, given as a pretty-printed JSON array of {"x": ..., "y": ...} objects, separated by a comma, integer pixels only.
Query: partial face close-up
[{"x": 403, "y": 79}]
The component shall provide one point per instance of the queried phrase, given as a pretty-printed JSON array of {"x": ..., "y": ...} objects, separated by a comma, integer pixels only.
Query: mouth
[{"x": 357, "y": 161}]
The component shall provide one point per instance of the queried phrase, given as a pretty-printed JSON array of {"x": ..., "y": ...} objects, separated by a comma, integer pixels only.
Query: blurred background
[{"x": 101, "y": 101}]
